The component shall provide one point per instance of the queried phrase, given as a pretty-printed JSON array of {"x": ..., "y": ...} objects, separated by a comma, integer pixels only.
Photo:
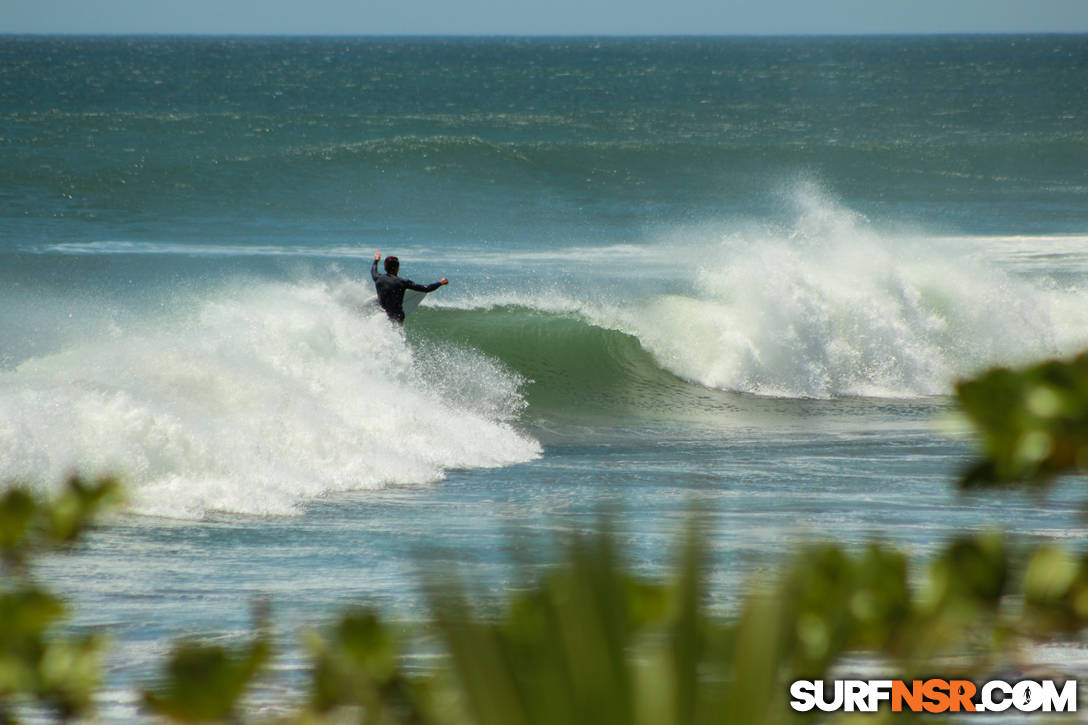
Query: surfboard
[{"x": 411, "y": 301}]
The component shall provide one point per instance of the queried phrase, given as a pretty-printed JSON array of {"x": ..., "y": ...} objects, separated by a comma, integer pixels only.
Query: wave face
[
  {"x": 570, "y": 364},
  {"x": 253, "y": 400},
  {"x": 828, "y": 307}
]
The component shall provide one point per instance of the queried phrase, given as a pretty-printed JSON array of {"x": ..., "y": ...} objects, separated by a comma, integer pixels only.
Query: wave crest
[{"x": 832, "y": 307}]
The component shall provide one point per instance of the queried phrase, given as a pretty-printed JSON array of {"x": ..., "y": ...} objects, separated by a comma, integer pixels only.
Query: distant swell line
[{"x": 199, "y": 250}]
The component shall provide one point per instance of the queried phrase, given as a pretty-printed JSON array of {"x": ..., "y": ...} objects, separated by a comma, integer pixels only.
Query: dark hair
[{"x": 392, "y": 265}]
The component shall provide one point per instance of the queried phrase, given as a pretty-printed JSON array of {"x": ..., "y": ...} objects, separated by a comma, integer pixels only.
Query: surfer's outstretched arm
[{"x": 425, "y": 287}]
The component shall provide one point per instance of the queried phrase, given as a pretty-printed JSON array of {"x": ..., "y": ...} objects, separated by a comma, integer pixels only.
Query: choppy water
[{"x": 738, "y": 275}]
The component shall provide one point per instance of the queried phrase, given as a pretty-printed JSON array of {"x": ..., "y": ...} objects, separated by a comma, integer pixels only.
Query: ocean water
[{"x": 733, "y": 275}]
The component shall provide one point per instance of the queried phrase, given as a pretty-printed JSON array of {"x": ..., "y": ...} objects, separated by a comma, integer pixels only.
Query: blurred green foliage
[
  {"x": 205, "y": 682},
  {"x": 40, "y": 666},
  {"x": 590, "y": 643},
  {"x": 358, "y": 671},
  {"x": 30, "y": 524},
  {"x": 1032, "y": 422}
]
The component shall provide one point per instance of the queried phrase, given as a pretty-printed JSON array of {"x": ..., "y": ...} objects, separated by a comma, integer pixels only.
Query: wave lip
[{"x": 841, "y": 310}]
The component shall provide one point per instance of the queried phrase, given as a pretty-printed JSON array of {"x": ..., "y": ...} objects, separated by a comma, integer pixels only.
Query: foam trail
[
  {"x": 253, "y": 401},
  {"x": 832, "y": 307}
]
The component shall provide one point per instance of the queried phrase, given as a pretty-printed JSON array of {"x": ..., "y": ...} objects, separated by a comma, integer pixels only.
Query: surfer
[{"x": 391, "y": 287}]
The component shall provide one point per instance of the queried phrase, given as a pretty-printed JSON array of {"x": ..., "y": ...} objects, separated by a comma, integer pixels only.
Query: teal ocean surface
[{"x": 737, "y": 275}]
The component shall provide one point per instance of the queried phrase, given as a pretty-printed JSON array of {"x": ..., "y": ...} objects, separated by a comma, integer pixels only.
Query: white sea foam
[
  {"x": 833, "y": 307},
  {"x": 254, "y": 400}
]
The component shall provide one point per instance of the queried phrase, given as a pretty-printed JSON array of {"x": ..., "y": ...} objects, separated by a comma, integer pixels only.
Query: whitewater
[{"x": 254, "y": 400}]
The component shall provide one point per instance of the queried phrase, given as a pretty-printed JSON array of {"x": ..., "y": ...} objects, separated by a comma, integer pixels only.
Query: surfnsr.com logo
[{"x": 934, "y": 695}]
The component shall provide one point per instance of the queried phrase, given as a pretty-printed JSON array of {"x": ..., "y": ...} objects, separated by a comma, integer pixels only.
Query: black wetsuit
[{"x": 391, "y": 291}]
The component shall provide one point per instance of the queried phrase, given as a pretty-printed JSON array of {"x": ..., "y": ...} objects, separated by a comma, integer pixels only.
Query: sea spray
[
  {"x": 833, "y": 307},
  {"x": 255, "y": 399}
]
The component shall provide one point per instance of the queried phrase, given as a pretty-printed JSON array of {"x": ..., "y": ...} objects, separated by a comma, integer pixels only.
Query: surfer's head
[{"x": 392, "y": 265}]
